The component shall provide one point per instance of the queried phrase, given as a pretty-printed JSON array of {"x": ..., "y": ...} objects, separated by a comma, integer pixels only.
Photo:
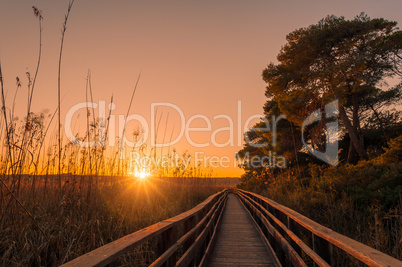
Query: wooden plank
[
  {"x": 189, "y": 255},
  {"x": 165, "y": 257},
  {"x": 294, "y": 235},
  {"x": 191, "y": 252},
  {"x": 237, "y": 241},
  {"x": 110, "y": 252},
  {"x": 364, "y": 253},
  {"x": 296, "y": 240},
  {"x": 323, "y": 248},
  {"x": 267, "y": 244},
  {"x": 167, "y": 240},
  {"x": 283, "y": 248},
  {"x": 213, "y": 238},
  {"x": 188, "y": 226},
  {"x": 170, "y": 253},
  {"x": 198, "y": 228}
]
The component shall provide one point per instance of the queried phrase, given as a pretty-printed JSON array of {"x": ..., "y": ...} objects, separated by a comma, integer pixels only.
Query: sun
[{"x": 142, "y": 175}]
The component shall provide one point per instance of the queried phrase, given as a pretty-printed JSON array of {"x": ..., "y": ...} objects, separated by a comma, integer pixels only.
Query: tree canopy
[
  {"x": 338, "y": 59},
  {"x": 344, "y": 66}
]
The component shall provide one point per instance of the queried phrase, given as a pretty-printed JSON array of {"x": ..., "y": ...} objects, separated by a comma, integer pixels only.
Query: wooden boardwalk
[
  {"x": 238, "y": 243},
  {"x": 220, "y": 232}
]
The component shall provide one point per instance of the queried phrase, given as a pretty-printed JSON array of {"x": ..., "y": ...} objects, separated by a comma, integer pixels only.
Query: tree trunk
[
  {"x": 352, "y": 155},
  {"x": 352, "y": 133}
]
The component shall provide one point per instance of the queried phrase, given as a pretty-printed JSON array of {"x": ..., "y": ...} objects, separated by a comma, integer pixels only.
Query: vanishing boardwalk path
[
  {"x": 238, "y": 228},
  {"x": 238, "y": 242}
]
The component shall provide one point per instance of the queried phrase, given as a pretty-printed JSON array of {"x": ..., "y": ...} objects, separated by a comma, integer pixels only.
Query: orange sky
[{"x": 201, "y": 56}]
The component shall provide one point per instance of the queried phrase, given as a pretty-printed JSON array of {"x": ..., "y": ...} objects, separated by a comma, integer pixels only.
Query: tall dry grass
[
  {"x": 59, "y": 200},
  {"x": 81, "y": 222}
]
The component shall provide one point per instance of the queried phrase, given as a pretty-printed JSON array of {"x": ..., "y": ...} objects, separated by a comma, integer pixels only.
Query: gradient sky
[{"x": 202, "y": 56}]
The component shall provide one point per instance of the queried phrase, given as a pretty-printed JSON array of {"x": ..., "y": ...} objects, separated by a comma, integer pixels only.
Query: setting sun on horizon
[
  {"x": 172, "y": 45},
  {"x": 200, "y": 133}
]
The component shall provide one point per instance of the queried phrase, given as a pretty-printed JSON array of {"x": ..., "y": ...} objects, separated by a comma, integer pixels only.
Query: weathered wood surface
[
  {"x": 238, "y": 242},
  {"x": 298, "y": 243},
  {"x": 364, "y": 253},
  {"x": 282, "y": 247},
  {"x": 110, "y": 252}
]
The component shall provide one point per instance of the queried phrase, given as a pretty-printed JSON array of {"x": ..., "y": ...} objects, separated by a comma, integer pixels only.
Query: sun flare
[{"x": 143, "y": 175}]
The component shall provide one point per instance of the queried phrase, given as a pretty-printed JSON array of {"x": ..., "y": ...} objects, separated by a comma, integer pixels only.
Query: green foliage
[
  {"x": 346, "y": 198},
  {"x": 394, "y": 152},
  {"x": 337, "y": 59},
  {"x": 350, "y": 61}
]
